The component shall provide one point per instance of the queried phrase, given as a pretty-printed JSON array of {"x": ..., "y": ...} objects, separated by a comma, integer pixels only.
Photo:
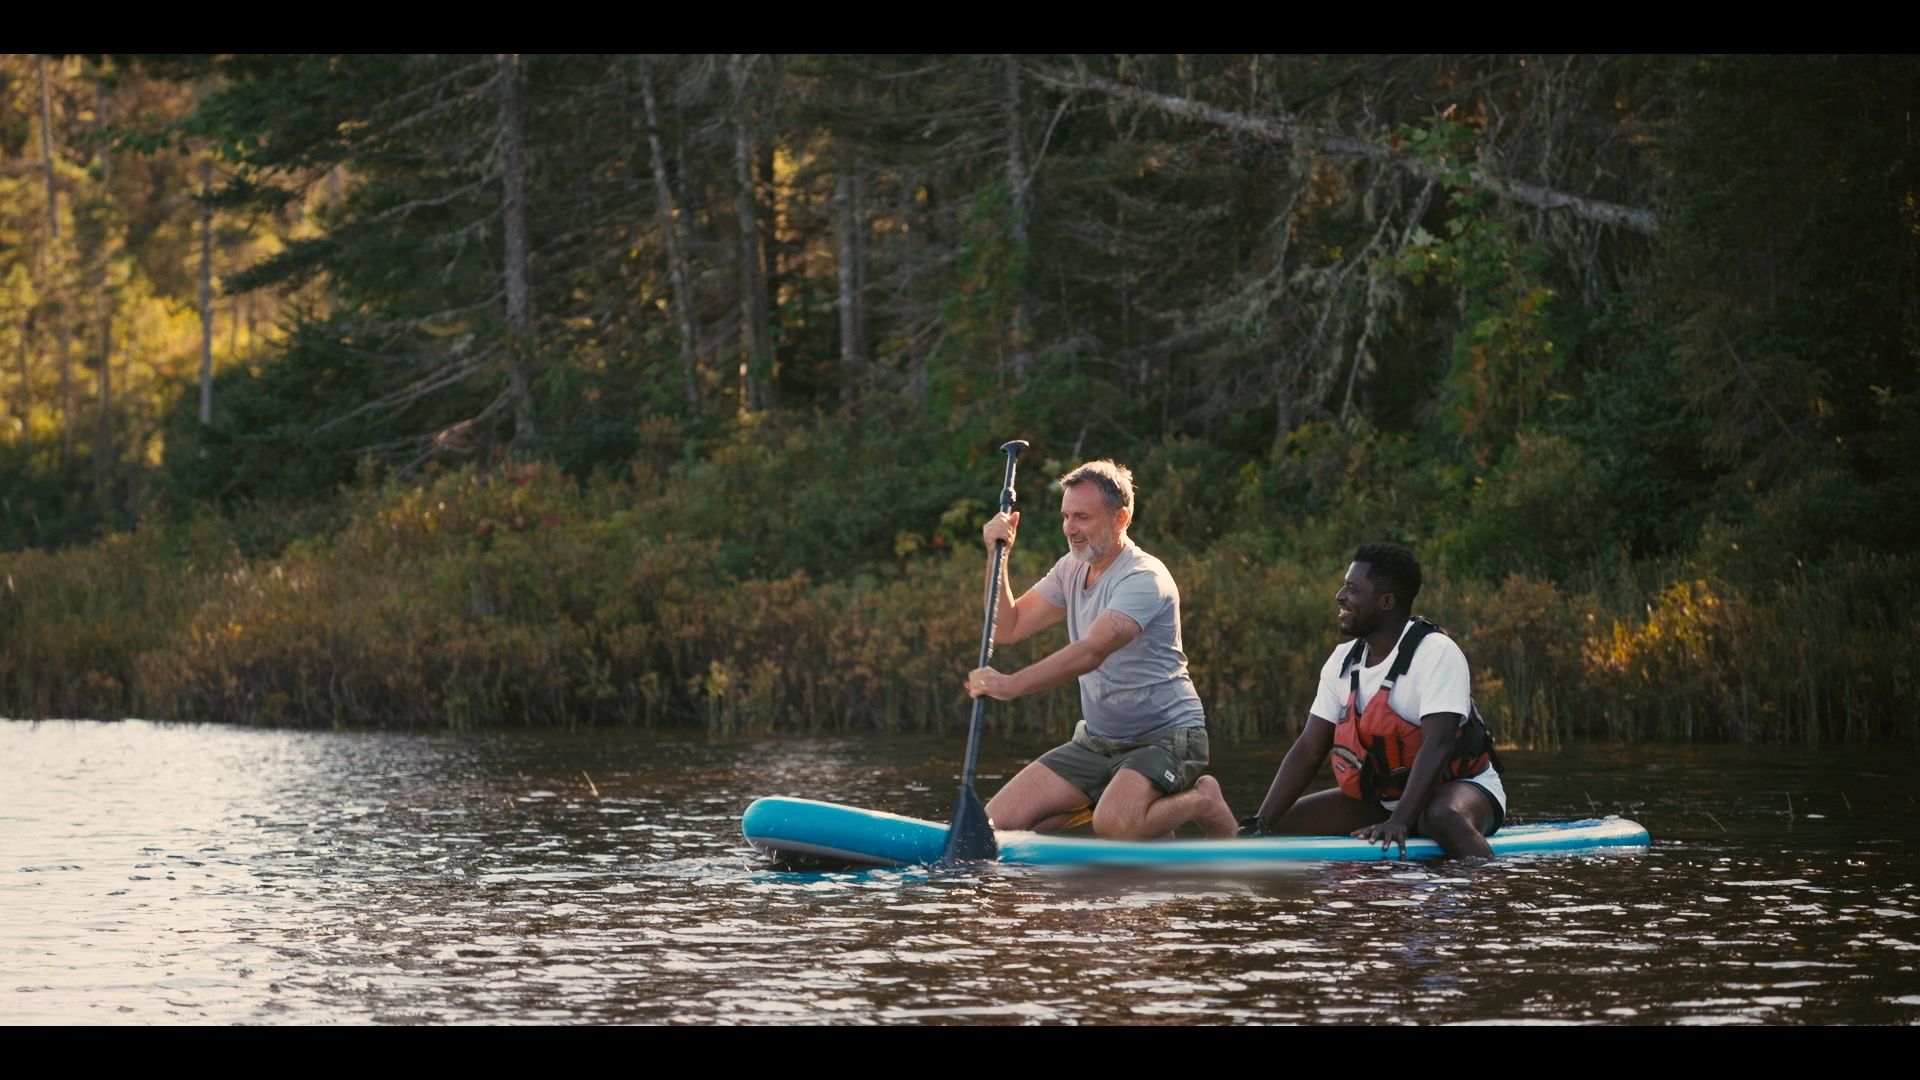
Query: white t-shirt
[{"x": 1438, "y": 681}]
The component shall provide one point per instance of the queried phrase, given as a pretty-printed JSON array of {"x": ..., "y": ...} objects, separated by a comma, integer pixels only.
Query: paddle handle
[{"x": 1007, "y": 497}]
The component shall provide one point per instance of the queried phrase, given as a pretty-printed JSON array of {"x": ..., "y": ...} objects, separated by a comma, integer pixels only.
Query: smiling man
[
  {"x": 1137, "y": 756},
  {"x": 1394, "y": 716}
]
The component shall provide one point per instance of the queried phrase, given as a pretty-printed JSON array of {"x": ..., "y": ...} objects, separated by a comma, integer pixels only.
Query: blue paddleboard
[{"x": 806, "y": 832}]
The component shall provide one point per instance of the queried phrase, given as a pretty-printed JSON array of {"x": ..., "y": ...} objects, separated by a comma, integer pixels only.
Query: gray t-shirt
[{"x": 1143, "y": 686}]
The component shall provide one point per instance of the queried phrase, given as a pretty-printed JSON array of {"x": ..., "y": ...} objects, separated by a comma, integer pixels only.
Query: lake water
[{"x": 164, "y": 874}]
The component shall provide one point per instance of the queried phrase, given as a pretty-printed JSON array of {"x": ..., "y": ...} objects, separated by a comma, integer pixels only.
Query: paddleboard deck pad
[{"x": 805, "y": 834}]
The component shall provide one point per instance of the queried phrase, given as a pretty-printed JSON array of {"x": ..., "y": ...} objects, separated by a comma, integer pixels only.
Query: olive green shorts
[{"x": 1173, "y": 760}]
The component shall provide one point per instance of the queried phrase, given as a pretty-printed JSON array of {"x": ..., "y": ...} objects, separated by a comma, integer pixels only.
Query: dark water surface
[{"x": 155, "y": 873}]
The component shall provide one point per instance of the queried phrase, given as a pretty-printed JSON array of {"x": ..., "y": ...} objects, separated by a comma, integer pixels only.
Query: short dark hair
[{"x": 1394, "y": 567}]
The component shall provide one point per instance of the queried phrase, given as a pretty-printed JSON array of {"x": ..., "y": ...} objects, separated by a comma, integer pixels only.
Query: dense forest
[{"x": 428, "y": 391}]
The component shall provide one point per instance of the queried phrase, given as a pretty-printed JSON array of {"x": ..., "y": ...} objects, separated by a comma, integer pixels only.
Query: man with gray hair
[{"x": 1137, "y": 756}]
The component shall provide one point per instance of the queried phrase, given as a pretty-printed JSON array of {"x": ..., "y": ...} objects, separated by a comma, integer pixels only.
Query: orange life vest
[{"x": 1374, "y": 748}]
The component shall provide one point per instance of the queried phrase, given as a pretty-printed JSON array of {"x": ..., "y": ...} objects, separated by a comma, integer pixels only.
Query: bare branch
[
  {"x": 437, "y": 379},
  {"x": 1628, "y": 217},
  {"x": 422, "y": 204}
]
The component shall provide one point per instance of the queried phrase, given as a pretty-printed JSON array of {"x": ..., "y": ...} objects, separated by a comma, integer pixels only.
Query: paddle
[{"x": 970, "y": 835}]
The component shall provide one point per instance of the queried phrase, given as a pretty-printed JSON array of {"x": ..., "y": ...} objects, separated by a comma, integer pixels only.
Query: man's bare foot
[{"x": 1215, "y": 817}]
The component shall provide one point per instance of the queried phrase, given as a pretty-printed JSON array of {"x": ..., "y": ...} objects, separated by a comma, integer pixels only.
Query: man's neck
[
  {"x": 1095, "y": 569},
  {"x": 1382, "y": 641}
]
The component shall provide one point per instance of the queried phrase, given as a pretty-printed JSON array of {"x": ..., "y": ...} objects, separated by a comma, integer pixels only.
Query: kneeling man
[{"x": 1137, "y": 756}]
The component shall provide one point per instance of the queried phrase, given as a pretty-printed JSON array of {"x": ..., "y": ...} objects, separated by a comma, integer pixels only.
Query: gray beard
[{"x": 1089, "y": 552}]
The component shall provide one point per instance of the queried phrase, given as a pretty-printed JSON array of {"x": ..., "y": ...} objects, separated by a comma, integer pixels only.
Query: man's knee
[
  {"x": 1442, "y": 821},
  {"x": 1122, "y": 811},
  {"x": 1004, "y": 815},
  {"x": 1111, "y": 822},
  {"x": 1448, "y": 817}
]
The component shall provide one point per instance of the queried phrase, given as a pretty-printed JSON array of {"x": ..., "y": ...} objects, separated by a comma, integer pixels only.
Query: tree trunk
[
  {"x": 915, "y": 252},
  {"x": 64, "y": 330},
  {"x": 1126, "y": 301},
  {"x": 336, "y": 194},
  {"x": 55, "y": 284},
  {"x": 103, "y": 447},
  {"x": 862, "y": 256},
  {"x": 518, "y": 272},
  {"x": 46, "y": 156},
  {"x": 104, "y": 450},
  {"x": 773, "y": 255},
  {"x": 1017, "y": 181},
  {"x": 23, "y": 402},
  {"x": 679, "y": 273},
  {"x": 206, "y": 291},
  {"x": 848, "y": 219},
  {"x": 755, "y": 333}
]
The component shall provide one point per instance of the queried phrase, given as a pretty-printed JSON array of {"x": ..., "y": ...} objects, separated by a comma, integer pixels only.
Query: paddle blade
[{"x": 969, "y": 835}]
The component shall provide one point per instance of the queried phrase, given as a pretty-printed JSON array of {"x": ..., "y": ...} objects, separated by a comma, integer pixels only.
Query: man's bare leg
[
  {"x": 1133, "y": 809},
  {"x": 1457, "y": 818},
  {"x": 1036, "y": 798},
  {"x": 1328, "y": 813}
]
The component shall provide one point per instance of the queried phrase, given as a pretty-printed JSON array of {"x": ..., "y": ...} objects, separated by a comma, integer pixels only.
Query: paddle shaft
[{"x": 1012, "y": 450}]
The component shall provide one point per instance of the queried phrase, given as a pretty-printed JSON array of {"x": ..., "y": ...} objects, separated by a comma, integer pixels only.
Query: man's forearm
[
  {"x": 1296, "y": 771},
  {"x": 1057, "y": 670}
]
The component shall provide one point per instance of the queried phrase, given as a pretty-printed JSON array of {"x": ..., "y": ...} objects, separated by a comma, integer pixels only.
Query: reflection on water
[{"x": 160, "y": 873}]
